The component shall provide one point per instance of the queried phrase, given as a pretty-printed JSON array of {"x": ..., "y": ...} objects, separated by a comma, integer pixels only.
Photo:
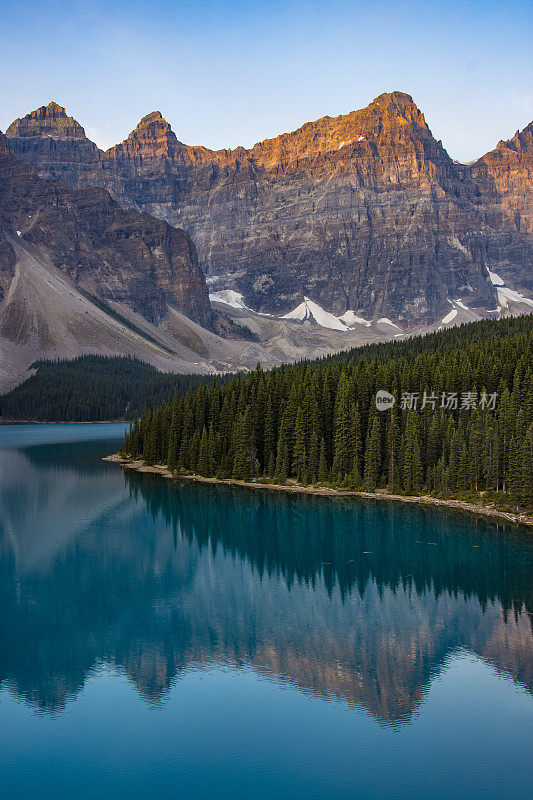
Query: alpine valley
[{"x": 350, "y": 229}]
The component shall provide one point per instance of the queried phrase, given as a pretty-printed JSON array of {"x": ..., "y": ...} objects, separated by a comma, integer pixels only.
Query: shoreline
[
  {"x": 461, "y": 505},
  {"x": 64, "y": 422}
]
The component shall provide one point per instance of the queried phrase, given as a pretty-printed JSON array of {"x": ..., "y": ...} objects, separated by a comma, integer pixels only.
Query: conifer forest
[{"x": 460, "y": 424}]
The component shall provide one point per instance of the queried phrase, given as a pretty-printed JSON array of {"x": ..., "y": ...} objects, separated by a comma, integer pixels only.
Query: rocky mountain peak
[
  {"x": 153, "y": 138},
  {"x": 363, "y": 211},
  {"x": 398, "y": 107},
  {"x": 51, "y": 121},
  {"x": 522, "y": 141},
  {"x": 119, "y": 255},
  {"x": 153, "y": 116},
  {"x": 504, "y": 176},
  {"x": 389, "y": 135},
  {"x": 53, "y": 109}
]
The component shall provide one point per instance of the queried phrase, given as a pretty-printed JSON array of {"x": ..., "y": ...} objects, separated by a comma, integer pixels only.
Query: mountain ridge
[{"x": 365, "y": 211}]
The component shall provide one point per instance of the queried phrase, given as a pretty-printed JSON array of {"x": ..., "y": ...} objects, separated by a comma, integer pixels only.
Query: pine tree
[
  {"x": 322, "y": 463},
  {"x": 356, "y": 442},
  {"x": 244, "y": 455},
  {"x": 342, "y": 450},
  {"x": 187, "y": 433},
  {"x": 283, "y": 451},
  {"x": 393, "y": 451},
  {"x": 526, "y": 460},
  {"x": 299, "y": 458},
  {"x": 373, "y": 456},
  {"x": 204, "y": 466},
  {"x": 412, "y": 467},
  {"x": 269, "y": 434},
  {"x": 173, "y": 435},
  {"x": 193, "y": 451}
]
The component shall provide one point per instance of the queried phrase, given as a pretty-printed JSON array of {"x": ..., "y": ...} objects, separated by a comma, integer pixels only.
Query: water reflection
[{"x": 364, "y": 602}]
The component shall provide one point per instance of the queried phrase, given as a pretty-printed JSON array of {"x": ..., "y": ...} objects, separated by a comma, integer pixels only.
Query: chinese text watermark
[{"x": 449, "y": 401}]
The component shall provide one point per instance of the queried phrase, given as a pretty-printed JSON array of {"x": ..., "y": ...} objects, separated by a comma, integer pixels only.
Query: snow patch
[
  {"x": 361, "y": 139},
  {"x": 309, "y": 310},
  {"x": 505, "y": 294},
  {"x": 230, "y": 298},
  {"x": 495, "y": 278},
  {"x": 449, "y": 317},
  {"x": 387, "y": 321},
  {"x": 461, "y": 305},
  {"x": 300, "y": 313},
  {"x": 350, "y": 318}
]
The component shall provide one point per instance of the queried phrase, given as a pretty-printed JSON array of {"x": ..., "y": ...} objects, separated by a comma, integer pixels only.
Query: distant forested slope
[
  {"x": 461, "y": 422},
  {"x": 91, "y": 388}
]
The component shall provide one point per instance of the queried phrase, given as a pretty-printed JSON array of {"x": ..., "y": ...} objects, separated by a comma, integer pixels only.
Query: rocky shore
[{"x": 473, "y": 508}]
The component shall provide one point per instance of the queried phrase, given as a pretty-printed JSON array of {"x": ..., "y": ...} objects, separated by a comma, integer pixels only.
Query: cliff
[
  {"x": 56, "y": 144},
  {"x": 119, "y": 255},
  {"x": 365, "y": 211}
]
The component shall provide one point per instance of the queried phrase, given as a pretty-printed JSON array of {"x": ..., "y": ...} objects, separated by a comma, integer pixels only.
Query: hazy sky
[{"x": 229, "y": 73}]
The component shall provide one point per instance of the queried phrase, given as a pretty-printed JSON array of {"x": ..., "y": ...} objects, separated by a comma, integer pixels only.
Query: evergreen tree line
[
  {"x": 317, "y": 422},
  {"x": 92, "y": 388}
]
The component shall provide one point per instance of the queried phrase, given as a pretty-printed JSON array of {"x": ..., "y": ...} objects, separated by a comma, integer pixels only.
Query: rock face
[
  {"x": 503, "y": 180},
  {"x": 504, "y": 177},
  {"x": 57, "y": 144},
  {"x": 7, "y": 254},
  {"x": 364, "y": 211},
  {"x": 116, "y": 254}
]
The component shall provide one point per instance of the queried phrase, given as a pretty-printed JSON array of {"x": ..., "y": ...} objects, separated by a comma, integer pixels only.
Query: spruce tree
[
  {"x": 204, "y": 466},
  {"x": 299, "y": 458},
  {"x": 322, "y": 463},
  {"x": 373, "y": 456}
]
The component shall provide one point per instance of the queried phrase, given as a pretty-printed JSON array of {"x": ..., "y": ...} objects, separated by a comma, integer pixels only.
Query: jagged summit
[
  {"x": 398, "y": 104},
  {"x": 51, "y": 120},
  {"x": 364, "y": 211},
  {"x": 522, "y": 141},
  {"x": 505, "y": 174},
  {"x": 53, "y": 109},
  {"x": 159, "y": 140},
  {"x": 154, "y": 126},
  {"x": 153, "y": 138},
  {"x": 153, "y": 116}
]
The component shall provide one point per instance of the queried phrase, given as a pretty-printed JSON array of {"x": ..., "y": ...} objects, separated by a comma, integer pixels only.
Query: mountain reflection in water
[{"x": 359, "y": 601}]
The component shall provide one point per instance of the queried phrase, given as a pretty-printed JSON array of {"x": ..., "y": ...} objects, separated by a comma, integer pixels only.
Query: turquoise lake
[{"x": 162, "y": 639}]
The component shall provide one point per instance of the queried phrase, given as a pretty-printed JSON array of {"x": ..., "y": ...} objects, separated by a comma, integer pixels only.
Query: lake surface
[{"x": 163, "y": 640}]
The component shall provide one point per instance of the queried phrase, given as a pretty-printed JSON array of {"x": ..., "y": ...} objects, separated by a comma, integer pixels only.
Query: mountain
[
  {"x": 56, "y": 143},
  {"x": 122, "y": 256},
  {"x": 363, "y": 213},
  {"x": 78, "y": 273}
]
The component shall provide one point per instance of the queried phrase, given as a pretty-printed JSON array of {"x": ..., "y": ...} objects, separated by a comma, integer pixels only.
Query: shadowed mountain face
[
  {"x": 123, "y": 256},
  {"x": 364, "y": 603},
  {"x": 364, "y": 211},
  {"x": 80, "y": 274}
]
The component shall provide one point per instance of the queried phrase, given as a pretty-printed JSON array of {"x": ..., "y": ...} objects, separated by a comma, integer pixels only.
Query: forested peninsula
[
  {"x": 92, "y": 388},
  {"x": 457, "y": 422}
]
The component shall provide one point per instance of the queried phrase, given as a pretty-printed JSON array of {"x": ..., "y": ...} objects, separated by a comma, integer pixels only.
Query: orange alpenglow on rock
[{"x": 364, "y": 212}]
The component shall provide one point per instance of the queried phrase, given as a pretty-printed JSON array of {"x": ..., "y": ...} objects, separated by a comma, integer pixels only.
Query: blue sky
[{"x": 229, "y": 73}]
